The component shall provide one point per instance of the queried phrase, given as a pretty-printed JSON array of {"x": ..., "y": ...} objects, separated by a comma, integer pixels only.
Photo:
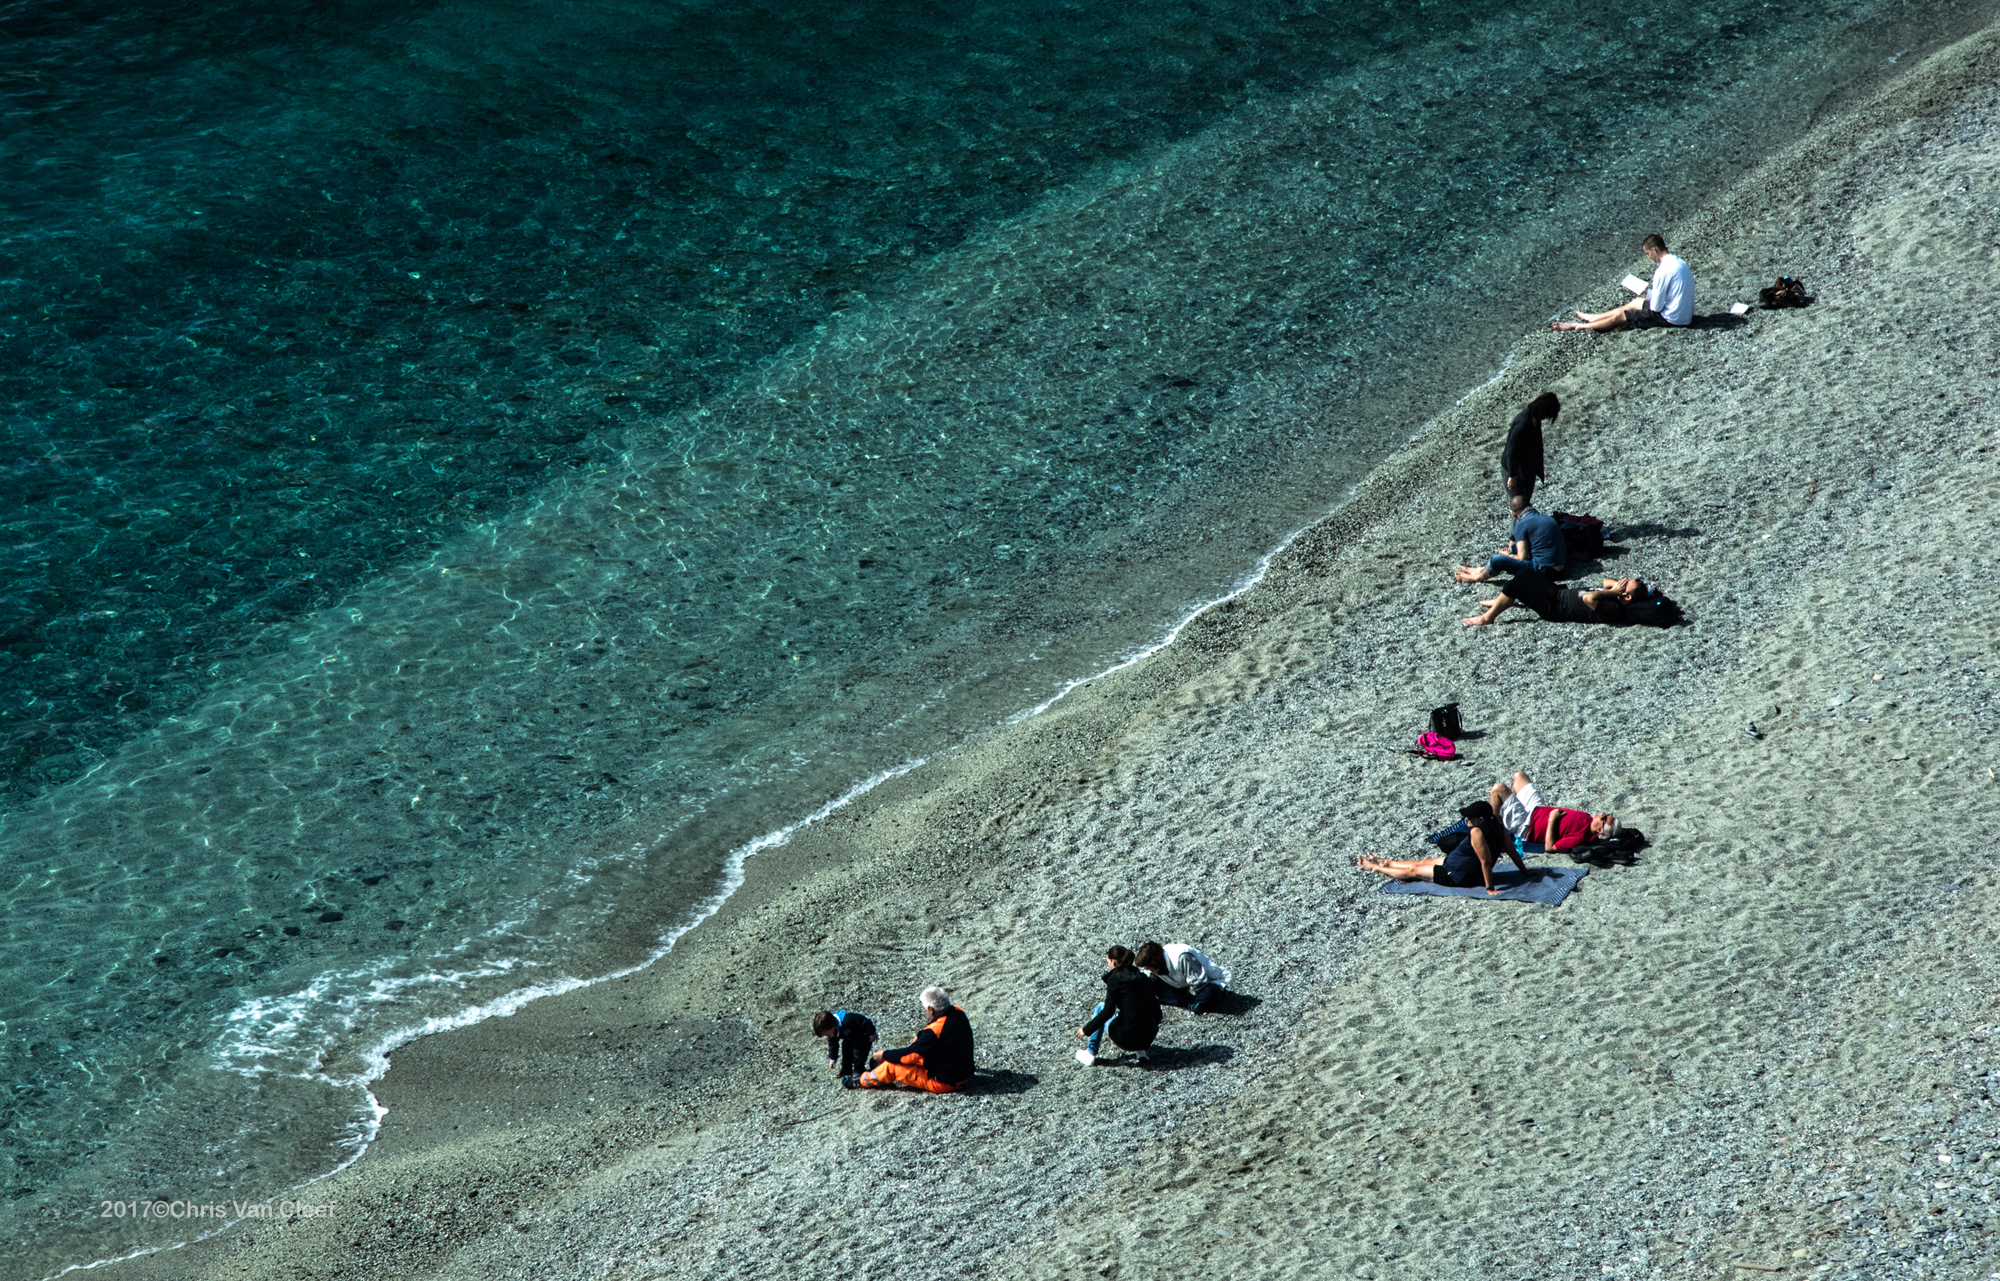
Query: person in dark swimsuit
[
  {"x": 1618, "y": 602},
  {"x": 1469, "y": 863}
]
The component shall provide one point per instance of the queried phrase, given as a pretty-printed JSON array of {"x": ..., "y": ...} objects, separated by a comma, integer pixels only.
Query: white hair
[{"x": 934, "y": 999}]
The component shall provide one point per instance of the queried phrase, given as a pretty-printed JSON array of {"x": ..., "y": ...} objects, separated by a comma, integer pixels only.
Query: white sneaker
[{"x": 1086, "y": 1058}]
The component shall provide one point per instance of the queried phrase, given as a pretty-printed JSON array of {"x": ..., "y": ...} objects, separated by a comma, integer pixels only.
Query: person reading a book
[{"x": 1667, "y": 302}]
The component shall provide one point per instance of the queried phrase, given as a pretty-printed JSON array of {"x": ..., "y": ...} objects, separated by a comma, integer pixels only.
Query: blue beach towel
[{"x": 1546, "y": 885}]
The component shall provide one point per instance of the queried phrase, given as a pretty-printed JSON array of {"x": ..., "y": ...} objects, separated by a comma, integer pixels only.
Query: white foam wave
[
  {"x": 1250, "y": 579},
  {"x": 1245, "y": 583},
  {"x": 258, "y": 1030},
  {"x": 263, "y": 1021},
  {"x": 1497, "y": 374}
]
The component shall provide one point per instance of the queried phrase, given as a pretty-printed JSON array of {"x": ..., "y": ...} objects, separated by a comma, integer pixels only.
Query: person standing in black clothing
[
  {"x": 1130, "y": 1010},
  {"x": 1521, "y": 461}
]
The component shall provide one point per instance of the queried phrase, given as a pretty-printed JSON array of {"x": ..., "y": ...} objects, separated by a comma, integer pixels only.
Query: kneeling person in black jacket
[{"x": 1130, "y": 1011}]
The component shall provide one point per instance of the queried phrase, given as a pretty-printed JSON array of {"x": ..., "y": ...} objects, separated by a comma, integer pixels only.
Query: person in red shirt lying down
[{"x": 1550, "y": 826}]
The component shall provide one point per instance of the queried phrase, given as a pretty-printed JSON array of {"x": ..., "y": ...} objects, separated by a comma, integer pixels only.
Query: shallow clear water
[{"x": 474, "y": 467}]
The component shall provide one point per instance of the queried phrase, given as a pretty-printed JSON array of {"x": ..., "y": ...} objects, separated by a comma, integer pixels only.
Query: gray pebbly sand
[{"x": 1771, "y": 1042}]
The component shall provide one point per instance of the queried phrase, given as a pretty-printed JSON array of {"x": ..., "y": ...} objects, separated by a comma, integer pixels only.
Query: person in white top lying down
[
  {"x": 1182, "y": 976},
  {"x": 1667, "y": 303}
]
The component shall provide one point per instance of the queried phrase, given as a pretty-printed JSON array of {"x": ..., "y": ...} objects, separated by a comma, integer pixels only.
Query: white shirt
[
  {"x": 1672, "y": 294},
  {"x": 1187, "y": 968}
]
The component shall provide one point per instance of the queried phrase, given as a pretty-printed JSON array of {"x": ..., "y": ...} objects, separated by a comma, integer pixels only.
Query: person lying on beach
[
  {"x": 1668, "y": 302},
  {"x": 848, "y": 1036},
  {"x": 1521, "y": 457},
  {"x": 1551, "y": 826},
  {"x": 1537, "y": 545},
  {"x": 1468, "y": 863},
  {"x": 1182, "y": 976},
  {"x": 938, "y": 1060},
  {"x": 1619, "y": 602},
  {"x": 1129, "y": 1011}
]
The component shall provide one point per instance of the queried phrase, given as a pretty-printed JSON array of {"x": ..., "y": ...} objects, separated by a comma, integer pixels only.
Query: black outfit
[
  {"x": 1521, "y": 457},
  {"x": 850, "y": 1044},
  {"x": 1195, "y": 1002},
  {"x": 1557, "y": 604},
  {"x": 1131, "y": 1008},
  {"x": 945, "y": 1043},
  {"x": 1461, "y": 864},
  {"x": 1460, "y": 869}
]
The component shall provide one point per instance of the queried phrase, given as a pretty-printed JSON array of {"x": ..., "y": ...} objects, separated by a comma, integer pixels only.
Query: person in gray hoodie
[{"x": 1182, "y": 976}]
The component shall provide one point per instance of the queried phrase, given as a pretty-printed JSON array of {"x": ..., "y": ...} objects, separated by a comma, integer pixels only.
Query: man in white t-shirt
[{"x": 1668, "y": 302}]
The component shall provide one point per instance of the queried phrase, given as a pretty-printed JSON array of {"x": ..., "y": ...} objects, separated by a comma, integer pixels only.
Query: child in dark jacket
[
  {"x": 848, "y": 1036},
  {"x": 1130, "y": 1010}
]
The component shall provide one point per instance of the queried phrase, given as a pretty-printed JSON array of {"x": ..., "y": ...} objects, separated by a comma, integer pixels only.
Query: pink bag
[{"x": 1436, "y": 746}]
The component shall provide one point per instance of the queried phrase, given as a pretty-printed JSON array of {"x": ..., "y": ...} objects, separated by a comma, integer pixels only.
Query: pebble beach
[{"x": 1766, "y": 1047}]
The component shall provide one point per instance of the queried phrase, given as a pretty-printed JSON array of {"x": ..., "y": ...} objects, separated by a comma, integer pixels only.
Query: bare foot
[
  {"x": 1467, "y": 574},
  {"x": 1479, "y": 621},
  {"x": 1568, "y": 324},
  {"x": 1490, "y": 603}
]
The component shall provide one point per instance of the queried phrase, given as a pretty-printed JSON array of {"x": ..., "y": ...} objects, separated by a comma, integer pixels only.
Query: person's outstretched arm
[
  {"x": 1485, "y": 856},
  {"x": 922, "y": 1044}
]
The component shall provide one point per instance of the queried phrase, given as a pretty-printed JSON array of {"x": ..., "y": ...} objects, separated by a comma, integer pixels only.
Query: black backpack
[
  {"x": 1583, "y": 536},
  {"x": 1444, "y": 720},
  {"x": 1622, "y": 849},
  {"x": 1653, "y": 610},
  {"x": 1790, "y": 291}
]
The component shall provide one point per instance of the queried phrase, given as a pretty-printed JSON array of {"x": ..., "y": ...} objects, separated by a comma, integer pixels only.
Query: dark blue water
[{"x": 469, "y": 469}]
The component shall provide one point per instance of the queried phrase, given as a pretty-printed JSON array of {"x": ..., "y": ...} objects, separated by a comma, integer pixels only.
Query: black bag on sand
[
  {"x": 1444, "y": 720},
  {"x": 1790, "y": 291},
  {"x": 1653, "y": 610},
  {"x": 1583, "y": 536},
  {"x": 1622, "y": 849}
]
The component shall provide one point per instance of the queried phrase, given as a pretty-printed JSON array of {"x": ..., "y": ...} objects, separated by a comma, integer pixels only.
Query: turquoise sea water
[{"x": 472, "y": 468}]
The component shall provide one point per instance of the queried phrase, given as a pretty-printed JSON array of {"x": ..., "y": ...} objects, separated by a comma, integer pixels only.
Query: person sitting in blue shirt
[{"x": 1537, "y": 547}]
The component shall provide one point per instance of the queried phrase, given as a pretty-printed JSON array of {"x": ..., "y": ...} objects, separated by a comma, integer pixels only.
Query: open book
[
  {"x": 1739, "y": 308},
  {"x": 1635, "y": 284}
]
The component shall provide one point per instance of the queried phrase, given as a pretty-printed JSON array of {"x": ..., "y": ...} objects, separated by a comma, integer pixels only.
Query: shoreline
[{"x": 1212, "y": 641}]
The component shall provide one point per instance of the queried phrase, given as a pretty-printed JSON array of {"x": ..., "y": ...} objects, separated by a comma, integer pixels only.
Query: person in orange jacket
[{"x": 938, "y": 1060}]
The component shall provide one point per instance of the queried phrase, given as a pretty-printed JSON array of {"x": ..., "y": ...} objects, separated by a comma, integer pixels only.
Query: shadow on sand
[
  {"x": 1170, "y": 1058},
  {"x": 1240, "y": 1003},
  {"x": 1718, "y": 320},
  {"x": 1001, "y": 1081}
]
